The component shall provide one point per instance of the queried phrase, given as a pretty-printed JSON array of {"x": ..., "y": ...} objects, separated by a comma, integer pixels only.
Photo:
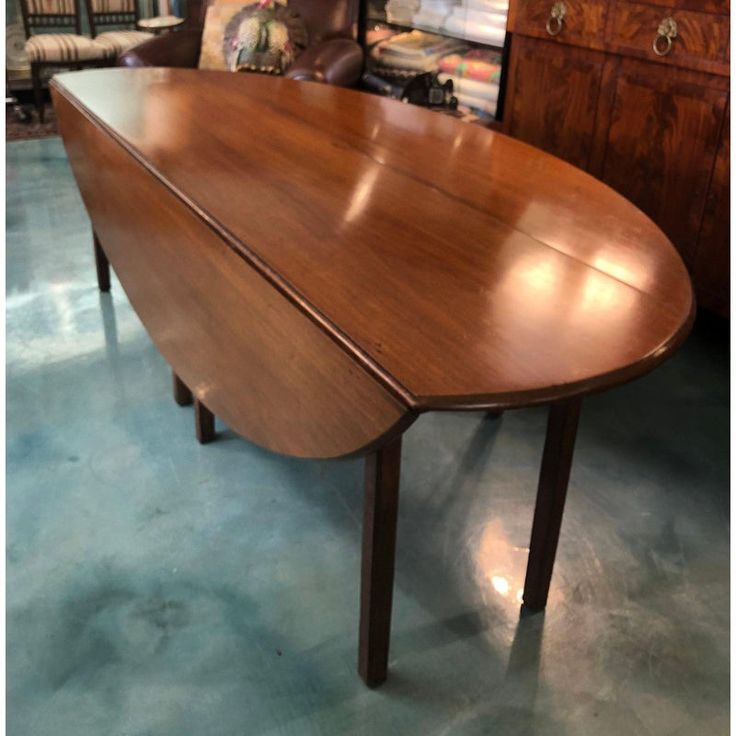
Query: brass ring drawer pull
[
  {"x": 667, "y": 30},
  {"x": 556, "y": 18}
]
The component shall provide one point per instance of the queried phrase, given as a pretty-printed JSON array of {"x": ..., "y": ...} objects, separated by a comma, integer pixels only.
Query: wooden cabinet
[{"x": 653, "y": 127}]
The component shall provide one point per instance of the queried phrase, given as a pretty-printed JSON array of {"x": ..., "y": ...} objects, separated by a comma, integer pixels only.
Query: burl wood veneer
[{"x": 637, "y": 94}]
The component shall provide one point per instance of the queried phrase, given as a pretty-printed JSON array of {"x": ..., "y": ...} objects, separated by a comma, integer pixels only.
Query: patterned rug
[{"x": 16, "y": 129}]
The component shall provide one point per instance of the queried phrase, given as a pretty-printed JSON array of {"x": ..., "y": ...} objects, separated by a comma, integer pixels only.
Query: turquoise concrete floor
[{"x": 160, "y": 588}]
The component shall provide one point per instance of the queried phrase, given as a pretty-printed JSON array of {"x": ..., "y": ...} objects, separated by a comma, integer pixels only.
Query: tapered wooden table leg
[
  {"x": 380, "y": 509},
  {"x": 103, "y": 266},
  {"x": 562, "y": 427},
  {"x": 182, "y": 394},
  {"x": 204, "y": 422}
]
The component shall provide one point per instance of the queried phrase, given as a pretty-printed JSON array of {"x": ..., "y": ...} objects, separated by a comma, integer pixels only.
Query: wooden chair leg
[
  {"x": 554, "y": 475},
  {"x": 182, "y": 394},
  {"x": 204, "y": 422},
  {"x": 380, "y": 510},
  {"x": 38, "y": 92},
  {"x": 102, "y": 265}
]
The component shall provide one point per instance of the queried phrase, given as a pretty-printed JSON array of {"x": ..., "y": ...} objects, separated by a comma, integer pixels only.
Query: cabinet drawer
[
  {"x": 701, "y": 37},
  {"x": 583, "y": 24}
]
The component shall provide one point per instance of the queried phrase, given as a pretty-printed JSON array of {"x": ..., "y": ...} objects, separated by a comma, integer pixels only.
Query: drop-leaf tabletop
[{"x": 320, "y": 266}]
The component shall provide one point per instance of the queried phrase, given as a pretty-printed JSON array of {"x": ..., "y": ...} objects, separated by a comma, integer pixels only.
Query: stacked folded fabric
[
  {"x": 413, "y": 52},
  {"x": 475, "y": 76},
  {"x": 479, "y": 20},
  {"x": 483, "y": 65},
  {"x": 487, "y": 6},
  {"x": 401, "y": 11},
  {"x": 433, "y": 13}
]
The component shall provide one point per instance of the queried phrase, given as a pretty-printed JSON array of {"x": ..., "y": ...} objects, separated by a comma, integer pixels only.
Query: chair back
[
  {"x": 327, "y": 18},
  {"x": 50, "y": 15},
  {"x": 322, "y": 18},
  {"x": 111, "y": 13}
]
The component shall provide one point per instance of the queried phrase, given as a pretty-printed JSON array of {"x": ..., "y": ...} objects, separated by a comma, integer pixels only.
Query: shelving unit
[
  {"x": 401, "y": 27},
  {"x": 376, "y": 27}
]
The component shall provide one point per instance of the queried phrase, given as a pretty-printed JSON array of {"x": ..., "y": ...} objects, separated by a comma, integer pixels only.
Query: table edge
[{"x": 413, "y": 402}]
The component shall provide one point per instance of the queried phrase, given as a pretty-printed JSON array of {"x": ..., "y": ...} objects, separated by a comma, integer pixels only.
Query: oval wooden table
[{"x": 319, "y": 266}]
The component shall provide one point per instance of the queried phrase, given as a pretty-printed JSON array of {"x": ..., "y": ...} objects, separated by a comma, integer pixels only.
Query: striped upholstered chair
[
  {"x": 54, "y": 39},
  {"x": 122, "y": 16}
]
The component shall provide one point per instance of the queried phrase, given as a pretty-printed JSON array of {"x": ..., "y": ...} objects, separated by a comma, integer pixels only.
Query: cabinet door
[
  {"x": 659, "y": 130},
  {"x": 711, "y": 272},
  {"x": 552, "y": 97}
]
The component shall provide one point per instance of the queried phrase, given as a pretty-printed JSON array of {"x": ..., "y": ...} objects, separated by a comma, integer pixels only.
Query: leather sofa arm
[
  {"x": 336, "y": 61},
  {"x": 178, "y": 48}
]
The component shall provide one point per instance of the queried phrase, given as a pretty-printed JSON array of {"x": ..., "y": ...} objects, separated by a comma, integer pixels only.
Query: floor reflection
[
  {"x": 109, "y": 327},
  {"x": 158, "y": 587}
]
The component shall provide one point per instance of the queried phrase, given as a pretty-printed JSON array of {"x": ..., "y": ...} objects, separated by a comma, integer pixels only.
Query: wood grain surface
[
  {"x": 625, "y": 27},
  {"x": 584, "y": 23},
  {"x": 719, "y": 7},
  {"x": 238, "y": 344},
  {"x": 454, "y": 266},
  {"x": 632, "y": 27},
  {"x": 661, "y": 136},
  {"x": 552, "y": 100}
]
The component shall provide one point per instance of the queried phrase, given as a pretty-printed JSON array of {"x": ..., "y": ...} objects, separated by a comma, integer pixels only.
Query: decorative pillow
[{"x": 251, "y": 35}]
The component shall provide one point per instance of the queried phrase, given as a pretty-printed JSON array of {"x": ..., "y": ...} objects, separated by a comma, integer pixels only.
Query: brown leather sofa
[{"x": 332, "y": 57}]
